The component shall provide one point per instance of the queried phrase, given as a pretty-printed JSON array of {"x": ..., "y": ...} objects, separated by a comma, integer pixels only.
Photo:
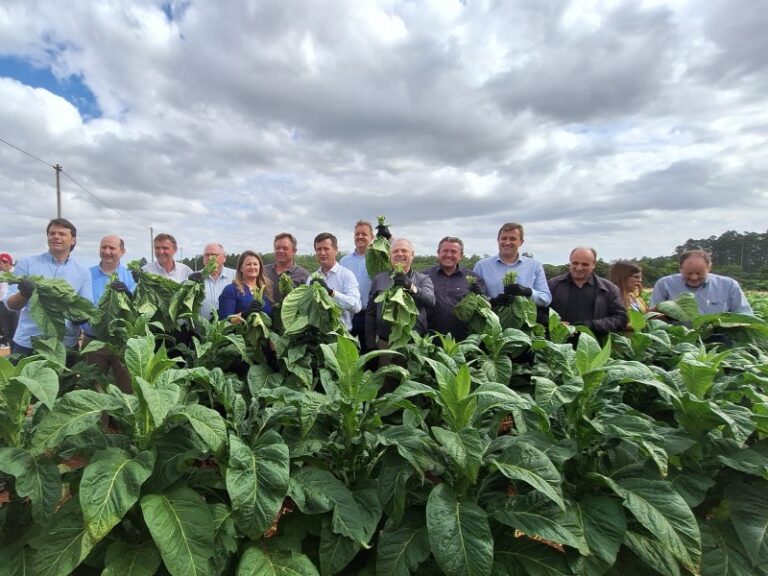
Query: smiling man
[
  {"x": 56, "y": 263},
  {"x": 219, "y": 279},
  {"x": 531, "y": 280},
  {"x": 340, "y": 282},
  {"x": 582, "y": 297},
  {"x": 165, "y": 247},
  {"x": 450, "y": 283},
  {"x": 355, "y": 261},
  {"x": 714, "y": 293},
  {"x": 285, "y": 247}
]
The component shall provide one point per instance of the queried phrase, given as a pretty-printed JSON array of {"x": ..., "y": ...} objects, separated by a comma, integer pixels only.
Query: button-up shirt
[
  {"x": 179, "y": 273},
  {"x": 530, "y": 273},
  {"x": 213, "y": 289},
  {"x": 718, "y": 294},
  {"x": 45, "y": 265},
  {"x": 346, "y": 292},
  {"x": 356, "y": 263},
  {"x": 99, "y": 281},
  {"x": 298, "y": 276}
]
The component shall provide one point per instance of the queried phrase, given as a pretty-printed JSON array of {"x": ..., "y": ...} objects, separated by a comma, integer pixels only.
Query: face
[
  {"x": 634, "y": 283},
  {"x": 213, "y": 252},
  {"x": 509, "y": 243},
  {"x": 401, "y": 253},
  {"x": 695, "y": 271},
  {"x": 250, "y": 268},
  {"x": 110, "y": 251},
  {"x": 363, "y": 238},
  {"x": 5, "y": 266},
  {"x": 325, "y": 254},
  {"x": 582, "y": 265},
  {"x": 164, "y": 251},
  {"x": 284, "y": 251},
  {"x": 60, "y": 240},
  {"x": 448, "y": 255}
]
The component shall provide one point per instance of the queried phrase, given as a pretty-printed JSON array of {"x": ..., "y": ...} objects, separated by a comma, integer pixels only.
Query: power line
[{"x": 27, "y": 153}]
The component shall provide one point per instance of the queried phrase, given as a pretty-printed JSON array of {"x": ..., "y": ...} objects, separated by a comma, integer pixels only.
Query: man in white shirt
[
  {"x": 217, "y": 281},
  {"x": 165, "y": 248},
  {"x": 340, "y": 282}
]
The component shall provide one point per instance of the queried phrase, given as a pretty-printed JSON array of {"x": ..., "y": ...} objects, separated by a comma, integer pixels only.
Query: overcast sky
[{"x": 629, "y": 126}]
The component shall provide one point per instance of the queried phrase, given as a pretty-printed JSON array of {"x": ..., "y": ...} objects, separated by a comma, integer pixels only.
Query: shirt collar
[{"x": 498, "y": 259}]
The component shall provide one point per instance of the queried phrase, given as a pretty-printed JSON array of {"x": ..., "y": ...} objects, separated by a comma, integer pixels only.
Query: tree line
[{"x": 743, "y": 256}]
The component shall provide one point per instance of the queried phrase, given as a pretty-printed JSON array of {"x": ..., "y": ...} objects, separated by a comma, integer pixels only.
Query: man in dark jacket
[
  {"x": 581, "y": 297},
  {"x": 417, "y": 284}
]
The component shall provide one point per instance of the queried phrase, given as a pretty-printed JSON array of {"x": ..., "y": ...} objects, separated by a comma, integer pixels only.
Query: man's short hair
[
  {"x": 509, "y": 227},
  {"x": 323, "y": 236},
  {"x": 703, "y": 254},
  {"x": 163, "y": 237},
  {"x": 290, "y": 237},
  {"x": 594, "y": 252},
  {"x": 452, "y": 240},
  {"x": 365, "y": 223},
  {"x": 410, "y": 244},
  {"x": 63, "y": 223}
]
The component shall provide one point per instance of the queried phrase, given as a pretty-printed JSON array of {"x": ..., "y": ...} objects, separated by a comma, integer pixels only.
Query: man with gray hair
[
  {"x": 583, "y": 298},
  {"x": 217, "y": 281},
  {"x": 418, "y": 285},
  {"x": 714, "y": 293}
]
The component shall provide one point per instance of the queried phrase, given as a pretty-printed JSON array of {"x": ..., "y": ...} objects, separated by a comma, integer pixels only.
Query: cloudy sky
[{"x": 629, "y": 125}]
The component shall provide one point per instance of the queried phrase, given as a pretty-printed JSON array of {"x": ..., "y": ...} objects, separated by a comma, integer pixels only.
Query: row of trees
[{"x": 743, "y": 256}]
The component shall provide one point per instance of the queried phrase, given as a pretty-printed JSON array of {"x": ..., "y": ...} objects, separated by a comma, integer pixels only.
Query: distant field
[{"x": 759, "y": 303}]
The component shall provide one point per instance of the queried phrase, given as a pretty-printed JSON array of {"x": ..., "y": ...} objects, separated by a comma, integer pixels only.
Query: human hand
[
  {"x": 475, "y": 289},
  {"x": 502, "y": 300},
  {"x": 26, "y": 288},
  {"x": 118, "y": 286},
  {"x": 401, "y": 280},
  {"x": 382, "y": 231},
  {"x": 254, "y": 307},
  {"x": 518, "y": 290},
  {"x": 324, "y": 284},
  {"x": 196, "y": 277},
  {"x": 137, "y": 274}
]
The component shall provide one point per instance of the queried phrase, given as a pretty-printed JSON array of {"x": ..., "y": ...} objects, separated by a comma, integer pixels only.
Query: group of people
[{"x": 579, "y": 296}]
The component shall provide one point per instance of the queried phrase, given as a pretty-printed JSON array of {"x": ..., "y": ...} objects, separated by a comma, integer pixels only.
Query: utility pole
[
  {"x": 152, "y": 243},
  {"x": 57, "y": 167}
]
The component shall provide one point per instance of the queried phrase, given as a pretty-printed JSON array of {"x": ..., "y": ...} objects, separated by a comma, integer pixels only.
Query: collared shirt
[
  {"x": 179, "y": 273},
  {"x": 45, "y": 265},
  {"x": 450, "y": 289},
  {"x": 580, "y": 306},
  {"x": 100, "y": 279},
  {"x": 213, "y": 289},
  {"x": 530, "y": 273},
  {"x": 718, "y": 294},
  {"x": 356, "y": 263},
  {"x": 346, "y": 292},
  {"x": 298, "y": 276}
]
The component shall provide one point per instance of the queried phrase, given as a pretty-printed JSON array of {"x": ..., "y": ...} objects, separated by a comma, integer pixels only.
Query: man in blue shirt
[
  {"x": 340, "y": 282},
  {"x": 56, "y": 263},
  {"x": 714, "y": 293},
  {"x": 355, "y": 261},
  {"x": 531, "y": 281}
]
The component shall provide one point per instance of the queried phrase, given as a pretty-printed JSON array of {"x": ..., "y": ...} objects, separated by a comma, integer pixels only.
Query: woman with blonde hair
[
  {"x": 628, "y": 276},
  {"x": 240, "y": 299}
]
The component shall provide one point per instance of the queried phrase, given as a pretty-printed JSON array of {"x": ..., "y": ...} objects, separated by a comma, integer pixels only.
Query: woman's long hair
[
  {"x": 619, "y": 273},
  {"x": 261, "y": 280}
]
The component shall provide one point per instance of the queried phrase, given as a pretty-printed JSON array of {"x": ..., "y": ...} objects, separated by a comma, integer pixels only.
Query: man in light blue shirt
[
  {"x": 340, "y": 282},
  {"x": 56, "y": 263},
  {"x": 714, "y": 293},
  {"x": 355, "y": 262},
  {"x": 217, "y": 281},
  {"x": 531, "y": 280}
]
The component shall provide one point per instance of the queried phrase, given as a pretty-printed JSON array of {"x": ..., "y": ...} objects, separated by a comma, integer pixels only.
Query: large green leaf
[
  {"x": 41, "y": 381},
  {"x": 459, "y": 534},
  {"x": 551, "y": 396},
  {"x": 36, "y": 478},
  {"x": 495, "y": 396},
  {"x": 257, "y": 481},
  {"x": 749, "y": 512},
  {"x": 72, "y": 413},
  {"x": 157, "y": 400},
  {"x": 465, "y": 448},
  {"x": 63, "y": 544},
  {"x": 208, "y": 424},
  {"x": 698, "y": 376},
  {"x": 589, "y": 355},
  {"x": 724, "y": 554},
  {"x": 521, "y": 556},
  {"x": 110, "y": 486},
  {"x": 403, "y": 545},
  {"x": 16, "y": 560},
  {"x": 653, "y": 553},
  {"x": 316, "y": 491},
  {"x": 181, "y": 524},
  {"x": 521, "y": 461},
  {"x": 123, "y": 559},
  {"x": 603, "y": 523},
  {"x": 664, "y": 513},
  {"x": 225, "y": 536},
  {"x": 258, "y": 560}
]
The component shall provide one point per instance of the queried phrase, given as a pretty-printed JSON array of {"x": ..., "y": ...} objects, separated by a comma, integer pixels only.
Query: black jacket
[{"x": 609, "y": 313}]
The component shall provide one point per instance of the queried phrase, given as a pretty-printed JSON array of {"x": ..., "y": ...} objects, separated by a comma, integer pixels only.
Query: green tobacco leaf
[
  {"x": 225, "y": 536},
  {"x": 64, "y": 543},
  {"x": 724, "y": 554},
  {"x": 589, "y": 355},
  {"x": 41, "y": 381},
  {"x": 664, "y": 513},
  {"x": 123, "y": 559},
  {"x": 257, "y": 481},
  {"x": 258, "y": 560},
  {"x": 208, "y": 424},
  {"x": 16, "y": 560},
  {"x": 36, "y": 478},
  {"x": 72, "y": 413},
  {"x": 521, "y": 461},
  {"x": 181, "y": 524},
  {"x": 403, "y": 545},
  {"x": 684, "y": 308},
  {"x": 604, "y": 524},
  {"x": 550, "y": 396},
  {"x": 336, "y": 551},
  {"x": 697, "y": 376},
  {"x": 518, "y": 556},
  {"x": 110, "y": 486},
  {"x": 158, "y": 401},
  {"x": 465, "y": 448},
  {"x": 653, "y": 553},
  {"x": 459, "y": 534},
  {"x": 749, "y": 513},
  {"x": 495, "y": 396}
]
